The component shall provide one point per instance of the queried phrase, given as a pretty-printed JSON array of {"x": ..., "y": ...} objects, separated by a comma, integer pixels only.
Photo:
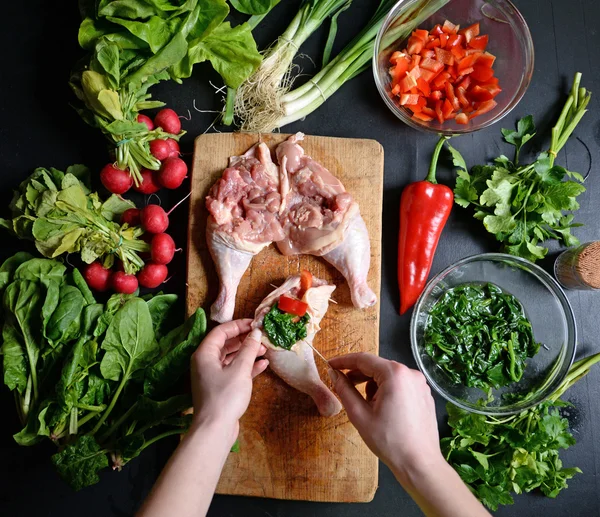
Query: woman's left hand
[{"x": 223, "y": 367}]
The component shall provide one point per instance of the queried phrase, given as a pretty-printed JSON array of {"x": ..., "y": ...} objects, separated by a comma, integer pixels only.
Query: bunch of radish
[
  {"x": 155, "y": 221},
  {"x": 173, "y": 169}
]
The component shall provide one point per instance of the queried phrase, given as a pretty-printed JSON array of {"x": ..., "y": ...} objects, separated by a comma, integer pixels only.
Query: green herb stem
[
  {"x": 118, "y": 423},
  {"x": 158, "y": 437}
]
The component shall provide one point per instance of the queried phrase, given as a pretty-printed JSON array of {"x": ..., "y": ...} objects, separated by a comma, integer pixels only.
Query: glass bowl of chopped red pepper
[
  {"x": 456, "y": 71},
  {"x": 494, "y": 334}
]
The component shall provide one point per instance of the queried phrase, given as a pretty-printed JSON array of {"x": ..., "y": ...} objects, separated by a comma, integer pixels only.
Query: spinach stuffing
[
  {"x": 281, "y": 328},
  {"x": 479, "y": 336}
]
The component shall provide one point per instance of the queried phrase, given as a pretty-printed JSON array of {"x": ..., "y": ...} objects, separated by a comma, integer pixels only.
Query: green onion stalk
[
  {"x": 274, "y": 105},
  {"x": 258, "y": 97}
]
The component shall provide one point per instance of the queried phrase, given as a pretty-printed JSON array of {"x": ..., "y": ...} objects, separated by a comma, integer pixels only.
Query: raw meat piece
[
  {"x": 297, "y": 366},
  {"x": 243, "y": 206},
  {"x": 320, "y": 218}
]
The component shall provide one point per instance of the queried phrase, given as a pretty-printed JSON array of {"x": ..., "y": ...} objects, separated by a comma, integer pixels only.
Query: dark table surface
[{"x": 39, "y": 42}]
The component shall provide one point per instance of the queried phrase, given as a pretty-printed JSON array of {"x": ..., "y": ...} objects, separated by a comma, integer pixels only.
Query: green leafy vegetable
[
  {"x": 58, "y": 212},
  {"x": 134, "y": 45},
  {"x": 479, "y": 336},
  {"x": 499, "y": 456},
  {"x": 525, "y": 205},
  {"x": 99, "y": 380},
  {"x": 80, "y": 462},
  {"x": 281, "y": 328}
]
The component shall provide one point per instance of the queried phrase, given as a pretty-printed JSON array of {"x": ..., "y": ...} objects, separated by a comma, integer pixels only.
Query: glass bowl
[
  {"x": 509, "y": 40},
  {"x": 546, "y": 307}
]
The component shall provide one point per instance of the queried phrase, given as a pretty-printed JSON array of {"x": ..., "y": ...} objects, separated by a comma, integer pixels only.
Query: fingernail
[
  {"x": 255, "y": 334},
  {"x": 333, "y": 375}
]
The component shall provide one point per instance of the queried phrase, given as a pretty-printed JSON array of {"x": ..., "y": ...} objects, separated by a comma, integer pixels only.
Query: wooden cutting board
[{"x": 288, "y": 451}]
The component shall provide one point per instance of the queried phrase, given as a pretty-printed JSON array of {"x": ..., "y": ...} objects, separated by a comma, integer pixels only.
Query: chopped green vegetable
[
  {"x": 497, "y": 456},
  {"x": 524, "y": 205},
  {"x": 58, "y": 212},
  {"x": 479, "y": 336},
  {"x": 281, "y": 328},
  {"x": 83, "y": 372}
]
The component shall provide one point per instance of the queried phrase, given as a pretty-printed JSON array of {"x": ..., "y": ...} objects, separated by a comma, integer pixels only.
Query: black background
[{"x": 38, "y": 128}]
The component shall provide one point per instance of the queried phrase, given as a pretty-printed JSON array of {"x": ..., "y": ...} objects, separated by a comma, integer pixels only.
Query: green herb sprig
[
  {"x": 524, "y": 205},
  {"x": 500, "y": 456}
]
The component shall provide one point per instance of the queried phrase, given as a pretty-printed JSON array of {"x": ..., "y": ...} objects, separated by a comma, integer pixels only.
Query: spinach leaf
[
  {"x": 65, "y": 320},
  {"x": 10, "y": 265},
  {"x": 180, "y": 344},
  {"x": 281, "y": 328},
  {"x": 78, "y": 464},
  {"x": 479, "y": 336},
  {"x": 161, "y": 311},
  {"x": 81, "y": 284},
  {"x": 129, "y": 342}
]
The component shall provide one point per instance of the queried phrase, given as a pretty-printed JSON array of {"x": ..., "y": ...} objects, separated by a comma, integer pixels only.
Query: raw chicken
[
  {"x": 297, "y": 366},
  {"x": 244, "y": 206},
  {"x": 320, "y": 218}
]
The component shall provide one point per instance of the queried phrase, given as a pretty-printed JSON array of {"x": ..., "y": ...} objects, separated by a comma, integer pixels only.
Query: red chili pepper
[{"x": 424, "y": 210}]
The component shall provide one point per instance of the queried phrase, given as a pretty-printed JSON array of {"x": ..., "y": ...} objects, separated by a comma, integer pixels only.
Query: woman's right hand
[{"x": 397, "y": 419}]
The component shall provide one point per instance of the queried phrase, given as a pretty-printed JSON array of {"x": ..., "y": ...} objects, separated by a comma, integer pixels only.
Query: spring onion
[{"x": 265, "y": 100}]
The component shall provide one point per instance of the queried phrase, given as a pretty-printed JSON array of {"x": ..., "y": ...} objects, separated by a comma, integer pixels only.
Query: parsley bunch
[
  {"x": 497, "y": 456},
  {"x": 524, "y": 205}
]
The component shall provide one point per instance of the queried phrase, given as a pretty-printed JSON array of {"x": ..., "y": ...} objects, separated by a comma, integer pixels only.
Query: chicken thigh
[
  {"x": 297, "y": 366},
  {"x": 243, "y": 207},
  {"x": 320, "y": 218}
]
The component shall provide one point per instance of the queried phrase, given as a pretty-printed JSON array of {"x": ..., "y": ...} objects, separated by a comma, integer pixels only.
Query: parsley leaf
[
  {"x": 525, "y": 132},
  {"x": 523, "y": 206}
]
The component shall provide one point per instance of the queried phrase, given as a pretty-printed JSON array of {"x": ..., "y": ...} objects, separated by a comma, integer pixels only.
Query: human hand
[
  {"x": 223, "y": 367},
  {"x": 397, "y": 420}
]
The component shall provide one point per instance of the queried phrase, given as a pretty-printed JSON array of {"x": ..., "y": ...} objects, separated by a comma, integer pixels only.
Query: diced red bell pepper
[
  {"x": 306, "y": 281},
  {"x": 451, "y": 97},
  {"x": 461, "y": 118},
  {"x": 441, "y": 80},
  {"x": 401, "y": 67},
  {"x": 483, "y": 107},
  {"x": 454, "y": 40},
  {"x": 422, "y": 34},
  {"x": 432, "y": 64},
  {"x": 479, "y": 42},
  {"x": 434, "y": 43},
  {"x": 443, "y": 39},
  {"x": 479, "y": 94},
  {"x": 438, "y": 111},
  {"x": 407, "y": 83},
  {"x": 436, "y": 95},
  {"x": 423, "y": 117},
  {"x": 396, "y": 90},
  {"x": 482, "y": 73},
  {"x": 486, "y": 59},
  {"x": 467, "y": 62},
  {"x": 444, "y": 56},
  {"x": 449, "y": 27},
  {"x": 292, "y": 306},
  {"x": 409, "y": 98},
  {"x": 427, "y": 53},
  {"x": 470, "y": 32},
  {"x": 447, "y": 108},
  {"x": 415, "y": 45},
  {"x": 423, "y": 85},
  {"x": 437, "y": 30},
  {"x": 462, "y": 97},
  {"x": 458, "y": 52}
]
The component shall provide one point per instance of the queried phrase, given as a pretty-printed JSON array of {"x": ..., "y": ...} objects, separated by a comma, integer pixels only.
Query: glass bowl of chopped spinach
[{"x": 494, "y": 334}]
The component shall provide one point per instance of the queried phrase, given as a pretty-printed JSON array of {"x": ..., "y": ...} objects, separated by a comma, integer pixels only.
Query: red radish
[
  {"x": 123, "y": 283},
  {"x": 162, "y": 248},
  {"x": 149, "y": 184},
  {"x": 131, "y": 216},
  {"x": 97, "y": 277},
  {"x": 160, "y": 149},
  {"x": 168, "y": 120},
  {"x": 154, "y": 219},
  {"x": 152, "y": 275},
  {"x": 173, "y": 146},
  {"x": 143, "y": 119},
  {"x": 172, "y": 172},
  {"x": 115, "y": 180}
]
